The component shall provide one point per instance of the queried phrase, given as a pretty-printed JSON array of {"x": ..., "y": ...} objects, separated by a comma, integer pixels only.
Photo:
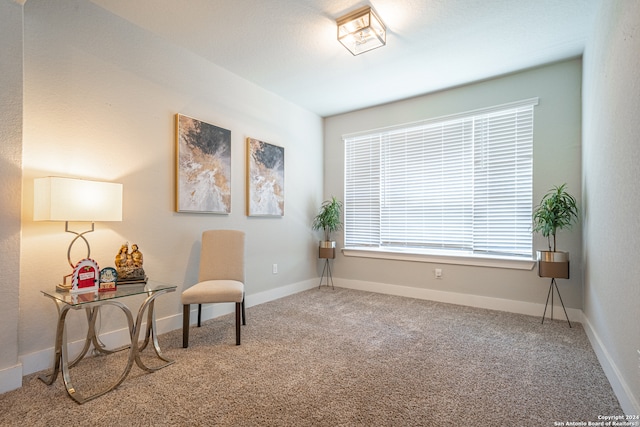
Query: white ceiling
[{"x": 289, "y": 47}]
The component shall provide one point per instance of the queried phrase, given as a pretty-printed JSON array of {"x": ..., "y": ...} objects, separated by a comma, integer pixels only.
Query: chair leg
[
  {"x": 244, "y": 317},
  {"x": 185, "y": 325},
  {"x": 238, "y": 310},
  {"x": 199, "y": 314}
]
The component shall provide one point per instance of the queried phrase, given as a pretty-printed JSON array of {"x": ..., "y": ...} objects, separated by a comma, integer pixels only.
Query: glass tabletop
[{"x": 122, "y": 291}]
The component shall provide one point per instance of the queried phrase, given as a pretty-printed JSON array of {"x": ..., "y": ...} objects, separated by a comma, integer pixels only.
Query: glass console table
[{"x": 91, "y": 303}]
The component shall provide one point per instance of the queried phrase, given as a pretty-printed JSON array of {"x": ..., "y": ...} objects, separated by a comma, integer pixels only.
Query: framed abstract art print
[
  {"x": 203, "y": 167},
  {"x": 265, "y": 179}
]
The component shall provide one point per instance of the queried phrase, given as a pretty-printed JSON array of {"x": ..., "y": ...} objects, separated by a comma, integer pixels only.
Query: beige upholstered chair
[{"x": 221, "y": 277}]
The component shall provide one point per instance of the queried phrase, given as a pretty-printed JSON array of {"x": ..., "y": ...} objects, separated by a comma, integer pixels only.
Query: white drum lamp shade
[{"x": 68, "y": 199}]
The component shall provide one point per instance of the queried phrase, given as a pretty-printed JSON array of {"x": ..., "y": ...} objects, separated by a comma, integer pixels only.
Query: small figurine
[
  {"x": 129, "y": 265},
  {"x": 121, "y": 258},
  {"x": 136, "y": 255}
]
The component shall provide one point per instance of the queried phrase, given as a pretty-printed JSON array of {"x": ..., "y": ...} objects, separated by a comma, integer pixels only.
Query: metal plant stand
[
  {"x": 327, "y": 270},
  {"x": 550, "y": 293}
]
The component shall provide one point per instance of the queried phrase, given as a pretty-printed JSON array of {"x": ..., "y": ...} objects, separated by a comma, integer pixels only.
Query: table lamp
[{"x": 79, "y": 200}]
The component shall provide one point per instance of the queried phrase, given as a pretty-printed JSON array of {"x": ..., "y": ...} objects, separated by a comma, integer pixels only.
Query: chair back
[{"x": 222, "y": 255}]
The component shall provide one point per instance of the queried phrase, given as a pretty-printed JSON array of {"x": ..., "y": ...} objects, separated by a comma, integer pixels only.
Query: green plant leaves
[
  {"x": 328, "y": 219},
  {"x": 557, "y": 210}
]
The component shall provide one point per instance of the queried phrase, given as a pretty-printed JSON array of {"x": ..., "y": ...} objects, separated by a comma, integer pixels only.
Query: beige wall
[
  {"x": 611, "y": 198},
  {"x": 556, "y": 161},
  {"x": 10, "y": 189},
  {"x": 100, "y": 97}
]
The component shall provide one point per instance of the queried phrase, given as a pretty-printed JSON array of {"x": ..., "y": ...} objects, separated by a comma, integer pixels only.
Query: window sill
[{"x": 438, "y": 258}]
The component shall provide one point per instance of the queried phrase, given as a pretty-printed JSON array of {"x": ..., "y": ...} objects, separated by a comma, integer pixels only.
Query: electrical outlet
[
  {"x": 438, "y": 273},
  {"x": 274, "y": 269}
]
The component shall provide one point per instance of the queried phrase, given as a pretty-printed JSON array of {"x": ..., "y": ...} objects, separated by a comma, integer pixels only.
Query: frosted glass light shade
[
  {"x": 68, "y": 199},
  {"x": 361, "y": 31}
]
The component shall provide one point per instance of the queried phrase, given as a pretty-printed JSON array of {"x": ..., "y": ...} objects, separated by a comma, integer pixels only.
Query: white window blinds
[{"x": 460, "y": 184}]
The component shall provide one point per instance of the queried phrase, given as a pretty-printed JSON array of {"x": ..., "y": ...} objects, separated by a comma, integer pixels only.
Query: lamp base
[{"x": 64, "y": 286}]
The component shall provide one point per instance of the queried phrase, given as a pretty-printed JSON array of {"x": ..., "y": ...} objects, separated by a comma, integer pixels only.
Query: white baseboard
[
  {"x": 627, "y": 400},
  {"x": 500, "y": 304},
  {"x": 281, "y": 292},
  {"x": 43, "y": 359},
  {"x": 10, "y": 378}
]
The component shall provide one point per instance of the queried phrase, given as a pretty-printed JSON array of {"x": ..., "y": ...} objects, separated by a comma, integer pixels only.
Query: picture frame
[
  {"x": 265, "y": 179},
  {"x": 203, "y": 167}
]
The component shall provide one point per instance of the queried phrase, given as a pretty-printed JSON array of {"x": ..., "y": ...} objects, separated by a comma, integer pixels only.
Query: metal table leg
[
  {"x": 61, "y": 357},
  {"x": 150, "y": 334},
  {"x": 61, "y": 361}
]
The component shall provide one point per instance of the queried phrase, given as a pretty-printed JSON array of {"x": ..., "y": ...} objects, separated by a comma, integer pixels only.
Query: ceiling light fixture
[{"x": 361, "y": 30}]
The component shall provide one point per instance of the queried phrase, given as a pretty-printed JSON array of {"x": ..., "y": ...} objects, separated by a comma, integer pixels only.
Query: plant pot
[
  {"x": 553, "y": 264},
  {"x": 327, "y": 249}
]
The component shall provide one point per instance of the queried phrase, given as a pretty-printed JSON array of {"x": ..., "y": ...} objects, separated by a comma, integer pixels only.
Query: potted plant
[
  {"x": 557, "y": 210},
  {"x": 328, "y": 220}
]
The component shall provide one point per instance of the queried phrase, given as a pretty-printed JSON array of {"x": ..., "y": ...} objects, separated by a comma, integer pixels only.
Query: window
[{"x": 456, "y": 185}]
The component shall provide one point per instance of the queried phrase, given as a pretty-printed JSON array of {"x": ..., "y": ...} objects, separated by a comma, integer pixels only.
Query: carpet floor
[{"x": 342, "y": 357}]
